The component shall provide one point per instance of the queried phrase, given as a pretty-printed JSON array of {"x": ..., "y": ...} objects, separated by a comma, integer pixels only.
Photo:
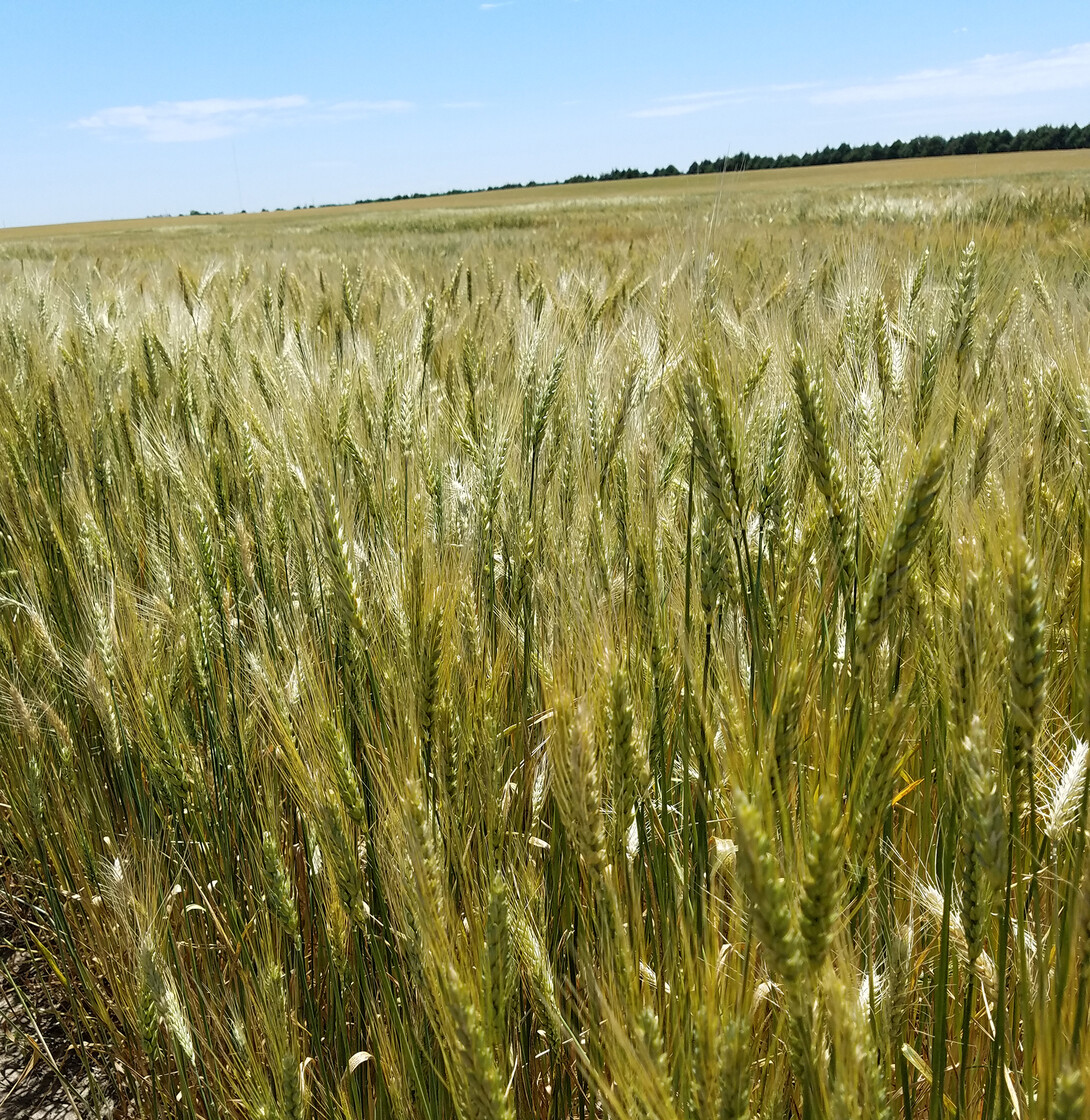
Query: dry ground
[{"x": 29, "y": 1087}]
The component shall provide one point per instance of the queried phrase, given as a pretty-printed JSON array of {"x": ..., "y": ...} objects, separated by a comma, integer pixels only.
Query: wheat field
[{"x": 620, "y": 655}]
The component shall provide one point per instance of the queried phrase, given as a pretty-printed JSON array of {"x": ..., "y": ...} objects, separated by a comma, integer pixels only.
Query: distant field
[{"x": 1018, "y": 165}]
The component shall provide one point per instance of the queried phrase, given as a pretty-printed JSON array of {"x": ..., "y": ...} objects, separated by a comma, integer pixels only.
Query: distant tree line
[
  {"x": 627, "y": 173},
  {"x": 1046, "y": 138}
]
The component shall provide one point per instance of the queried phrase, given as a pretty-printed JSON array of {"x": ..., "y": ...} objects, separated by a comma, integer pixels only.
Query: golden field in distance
[{"x": 1018, "y": 166}]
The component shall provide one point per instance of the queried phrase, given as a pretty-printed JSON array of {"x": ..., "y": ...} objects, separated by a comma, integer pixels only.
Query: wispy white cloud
[
  {"x": 496, "y": 4},
  {"x": 217, "y": 117},
  {"x": 209, "y": 119},
  {"x": 682, "y": 104},
  {"x": 986, "y": 78},
  {"x": 993, "y": 76}
]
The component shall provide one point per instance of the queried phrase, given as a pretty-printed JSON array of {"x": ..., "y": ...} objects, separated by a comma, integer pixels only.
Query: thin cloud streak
[
  {"x": 214, "y": 118},
  {"x": 993, "y": 76},
  {"x": 683, "y": 104},
  {"x": 986, "y": 78}
]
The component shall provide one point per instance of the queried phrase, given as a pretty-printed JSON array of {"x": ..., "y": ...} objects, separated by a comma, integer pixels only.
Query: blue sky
[{"x": 128, "y": 109}]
